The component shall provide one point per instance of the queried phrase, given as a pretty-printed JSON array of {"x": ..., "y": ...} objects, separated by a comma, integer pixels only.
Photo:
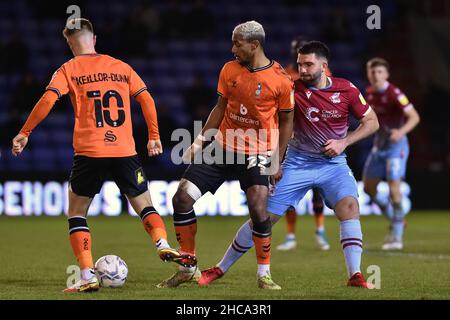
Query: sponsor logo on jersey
[
  {"x": 244, "y": 119},
  {"x": 110, "y": 136},
  {"x": 243, "y": 109},
  {"x": 335, "y": 98},
  {"x": 313, "y": 114},
  {"x": 310, "y": 116},
  {"x": 330, "y": 114}
]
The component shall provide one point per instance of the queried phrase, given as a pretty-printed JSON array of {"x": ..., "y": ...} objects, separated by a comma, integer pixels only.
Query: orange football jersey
[
  {"x": 99, "y": 87},
  {"x": 255, "y": 96}
]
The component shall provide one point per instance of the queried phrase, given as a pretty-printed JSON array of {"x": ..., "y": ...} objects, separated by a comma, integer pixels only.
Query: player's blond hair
[
  {"x": 78, "y": 24},
  {"x": 251, "y": 30}
]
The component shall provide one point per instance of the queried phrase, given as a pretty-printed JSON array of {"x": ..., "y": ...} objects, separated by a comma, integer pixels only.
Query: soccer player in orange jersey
[
  {"x": 255, "y": 95},
  {"x": 290, "y": 242},
  {"x": 100, "y": 88}
]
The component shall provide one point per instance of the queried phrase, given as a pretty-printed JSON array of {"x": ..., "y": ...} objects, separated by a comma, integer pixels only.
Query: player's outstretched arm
[
  {"x": 145, "y": 100},
  {"x": 368, "y": 125},
  {"x": 412, "y": 120},
  {"x": 39, "y": 112}
]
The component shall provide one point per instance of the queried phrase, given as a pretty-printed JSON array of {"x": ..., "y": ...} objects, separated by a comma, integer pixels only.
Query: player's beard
[
  {"x": 313, "y": 80},
  {"x": 244, "y": 63}
]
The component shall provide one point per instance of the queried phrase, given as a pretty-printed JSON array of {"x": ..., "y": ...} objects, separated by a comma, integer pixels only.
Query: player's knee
[
  {"x": 258, "y": 212},
  {"x": 182, "y": 202},
  {"x": 347, "y": 208}
]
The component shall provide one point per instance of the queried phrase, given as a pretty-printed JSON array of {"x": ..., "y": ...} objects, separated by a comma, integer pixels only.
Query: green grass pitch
[{"x": 35, "y": 252}]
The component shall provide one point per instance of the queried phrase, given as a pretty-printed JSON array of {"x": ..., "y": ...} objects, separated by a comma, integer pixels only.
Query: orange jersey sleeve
[
  {"x": 39, "y": 112},
  {"x": 286, "y": 96},
  {"x": 222, "y": 83},
  {"x": 59, "y": 83},
  {"x": 136, "y": 84},
  {"x": 148, "y": 109}
]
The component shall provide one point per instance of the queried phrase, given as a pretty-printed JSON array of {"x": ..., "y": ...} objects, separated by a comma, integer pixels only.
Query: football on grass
[{"x": 111, "y": 271}]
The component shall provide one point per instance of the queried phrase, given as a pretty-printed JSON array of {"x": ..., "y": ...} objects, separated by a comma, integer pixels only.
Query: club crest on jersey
[
  {"x": 258, "y": 90},
  {"x": 335, "y": 98},
  {"x": 308, "y": 94}
]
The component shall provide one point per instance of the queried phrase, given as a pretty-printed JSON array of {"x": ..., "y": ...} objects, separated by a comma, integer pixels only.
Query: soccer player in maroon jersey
[
  {"x": 290, "y": 241},
  {"x": 387, "y": 160}
]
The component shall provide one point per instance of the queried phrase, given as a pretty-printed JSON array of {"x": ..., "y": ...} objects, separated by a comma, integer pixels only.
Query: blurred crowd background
[{"x": 179, "y": 47}]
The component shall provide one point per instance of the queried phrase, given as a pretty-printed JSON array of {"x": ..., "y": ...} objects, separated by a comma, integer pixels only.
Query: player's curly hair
[
  {"x": 251, "y": 30},
  {"x": 75, "y": 25}
]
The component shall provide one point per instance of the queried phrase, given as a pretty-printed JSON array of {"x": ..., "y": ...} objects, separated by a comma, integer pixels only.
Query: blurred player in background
[
  {"x": 100, "y": 88},
  {"x": 316, "y": 158},
  {"x": 255, "y": 94},
  {"x": 389, "y": 155},
  {"x": 291, "y": 215}
]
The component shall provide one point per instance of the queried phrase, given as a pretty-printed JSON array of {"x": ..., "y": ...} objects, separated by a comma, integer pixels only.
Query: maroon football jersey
[
  {"x": 323, "y": 114},
  {"x": 390, "y": 105}
]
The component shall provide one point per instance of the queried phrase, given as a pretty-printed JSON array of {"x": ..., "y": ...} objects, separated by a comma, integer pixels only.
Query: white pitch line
[{"x": 409, "y": 254}]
